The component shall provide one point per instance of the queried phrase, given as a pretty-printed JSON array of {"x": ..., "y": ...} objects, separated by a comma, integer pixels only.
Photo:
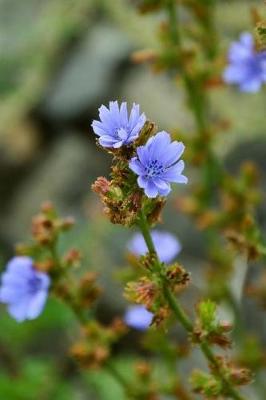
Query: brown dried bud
[
  {"x": 213, "y": 82},
  {"x": 207, "y": 219},
  {"x": 88, "y": 291},
  {"x": 136, "y": 199},
  {"x": 88, "y": 357},
  {"x": 142, "y": 56},
  {"x": 143, "y": 292},
  {"x": 42, "y": 229},
  {"x": 79, "y": 351},
  {"x": 251, "y": 172},
  {"x": 240, "y": 376},
  {"x": 62, "y": 292},
  {"x": 187, "y": 205},
  {"x": 161, "y": 316},
  {"x": 239, "y": 241},
  {"x": 181, "y": 392},
  {"x": 45, "y": 266},
  {"x": 146, "y": 132},
  {"x": 220, "y": 340},
  {"x": 143, "y": 369},
  {"x": 101, "y": 186},
  {"x": 155, "y": 215},
  {"x": 47, "y": 207},
  {"x": 100, "y": 354},
  {"x": 178, "y": 277},
  {"x": 226, "y": 326},
  {"x": 73, "y": 256},
  {"x": 22, "y": 249},
  {"x": 67, "y": 223},
  {"x": 118, "y": 327}
]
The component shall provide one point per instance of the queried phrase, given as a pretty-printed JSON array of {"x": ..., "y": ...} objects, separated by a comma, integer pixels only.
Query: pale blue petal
[
  {"x": 173, "y": 153},
  {"x": 36, "y": 305},
  {"x": 134, "y": 116},
  {"x": 160, "y": 143},
  {"x": 98, "y": 128},
  {"x": 107, "y": 141},
  {"x": 161, "y": 184},
  {"x": 165, "y": 192},
  {"x": 143, "y": 154},
  {"x": 252, "y": 86},
  {"x": 115, "y": 113},
  {"x": 142, "y": 182},
  {"x": 172, "y": 174},
  {"x": 119, "y": 144},
  {"x": 105, "y": 116},
  {"x": 136, "y": 166},
  {"x": 138, "y": 317},
  {"x": 151, "y": 190},
  {"x": 19, "y": 310},
  {"x": 166, "y": 245},
  {"x": 123, "y": 114}
]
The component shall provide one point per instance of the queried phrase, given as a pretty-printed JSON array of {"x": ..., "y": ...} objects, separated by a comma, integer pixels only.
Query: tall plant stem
[
  {"x": 180, "y": 313},
  {"x": 83, "y": 319},
  {"x": 198, "y": 102}
]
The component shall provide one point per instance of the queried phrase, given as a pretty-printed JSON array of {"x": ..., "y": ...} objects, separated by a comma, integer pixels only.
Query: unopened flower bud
[
  {"x": 143, "y": 369},
  {"x": 67, "y": 223},
  {"x": 240, "y": 376},
  {"x": 47, "y": 207},
  {"x": 73, "y": 256},
  {"x": 142, "y": 56},
  {"x": 101, "y": 186}
]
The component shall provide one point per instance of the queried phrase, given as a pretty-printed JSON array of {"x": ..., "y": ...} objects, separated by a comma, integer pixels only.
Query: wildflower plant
[
  {"x": 157, "y": 165},
  {"x": 146, "y": 165},
  {"x": 24, "y": 289},
  {"x": 116, "y": 128},
  {"x": 247, "y": 66},
  {"x": 166, "y": 245}
]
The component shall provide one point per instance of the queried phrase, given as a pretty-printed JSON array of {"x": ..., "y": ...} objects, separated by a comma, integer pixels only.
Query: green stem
[
  {"x": 83, "y": 319},
  {"x": 198, "y": 102},
  {"x": 177, "y": 309},
  {"x": 179, "y": 312},
  {"x": 196, "y": 99},
  {"x": 117, "y": 376}
]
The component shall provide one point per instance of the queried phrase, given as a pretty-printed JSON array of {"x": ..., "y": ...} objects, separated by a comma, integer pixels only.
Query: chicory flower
[{"x": 24, "y": 289}]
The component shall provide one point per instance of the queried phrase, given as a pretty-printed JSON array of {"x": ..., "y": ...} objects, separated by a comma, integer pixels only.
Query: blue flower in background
[
  {"x": 166, "y": 245},
  {"x": 247, "y": 67},
  {"x": 157, "y": 165},
  {"x": 138, "y": 317},
  {"x": 24, "y": 289},
  {"x": 116, "y": 128}
]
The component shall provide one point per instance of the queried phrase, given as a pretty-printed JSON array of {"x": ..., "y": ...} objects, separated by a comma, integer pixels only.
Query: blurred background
[{"x": 59, "y": 61}]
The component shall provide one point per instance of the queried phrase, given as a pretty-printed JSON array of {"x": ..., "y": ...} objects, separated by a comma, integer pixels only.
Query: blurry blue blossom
[
  {"x": 138, "y": 317},
  {"x": 247, "y": 67},
  {"x": 157, "y": 165},
  {"x": 116, "y": 128},
  {"x": 24, "y": 289},
  {"x": 166, "y": 245}
]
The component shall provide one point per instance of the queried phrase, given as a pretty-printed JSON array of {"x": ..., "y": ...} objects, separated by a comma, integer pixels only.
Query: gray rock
[
  {"x": 158, "y": 96},
  {"x": 63, "y": 177},
  {"x": 88, "y": 74}
]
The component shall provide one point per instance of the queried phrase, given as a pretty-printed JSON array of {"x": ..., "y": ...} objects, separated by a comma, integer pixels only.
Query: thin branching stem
[
  {"x": 83, "y": 319},
  {"x": 180, "y": 313}
]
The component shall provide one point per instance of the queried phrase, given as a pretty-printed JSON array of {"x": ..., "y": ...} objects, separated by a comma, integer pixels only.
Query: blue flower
[
  {"x": 24, "y": 289},
  {"x": 166, "y": 245},
  {"x": 247, "y": 67},
  {"x": 157, "y": 165},
  {"x": 115, "y": 128},
  {"x": 138, "y": 317}
]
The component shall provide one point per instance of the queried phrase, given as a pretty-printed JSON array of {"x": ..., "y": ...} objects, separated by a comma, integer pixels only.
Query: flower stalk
[
  {"x": 83, "y": 319},
  {"x": 180, "y": 313}
]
